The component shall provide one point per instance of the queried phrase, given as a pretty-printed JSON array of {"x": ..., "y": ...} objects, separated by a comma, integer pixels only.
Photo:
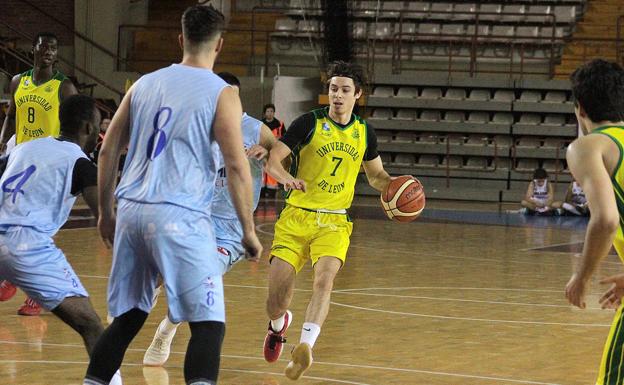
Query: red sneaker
[
  {"x": 29, "y": 308},
  {"x": 7, "y": 290},
  {"x": 274, "y": 341}
]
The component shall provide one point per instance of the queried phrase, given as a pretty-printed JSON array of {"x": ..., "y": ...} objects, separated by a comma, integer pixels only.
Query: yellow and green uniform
[
  {"x": 37, "y": 107},
  {"x": 328, "y": 157},
  {"x": 612, "y": 364}
]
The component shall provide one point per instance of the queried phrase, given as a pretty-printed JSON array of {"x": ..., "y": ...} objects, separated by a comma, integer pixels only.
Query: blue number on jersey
[
  {"x": 24, "y": 175},
  {"x": 158, "y": 140}
]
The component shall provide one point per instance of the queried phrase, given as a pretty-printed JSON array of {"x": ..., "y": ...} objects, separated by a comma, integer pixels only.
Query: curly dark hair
[
  {"x": 598, "y": 86},
  {"x": 347, "y": 70}
]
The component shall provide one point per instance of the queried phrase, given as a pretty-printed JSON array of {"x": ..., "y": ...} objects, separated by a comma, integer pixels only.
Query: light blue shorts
[
  {"x": 175, "y": 243},
  {"x": 229, "y": 248},
  {"x": 32, "y": 262}
]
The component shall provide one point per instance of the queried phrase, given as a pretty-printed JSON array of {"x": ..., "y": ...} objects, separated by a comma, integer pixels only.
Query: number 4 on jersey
[{"x": 21, "y": 178}]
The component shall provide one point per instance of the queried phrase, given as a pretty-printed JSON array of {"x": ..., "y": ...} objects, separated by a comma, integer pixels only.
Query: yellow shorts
[
  {"x": 301, "y": 234},
  {"x": 612, "y": 358}
]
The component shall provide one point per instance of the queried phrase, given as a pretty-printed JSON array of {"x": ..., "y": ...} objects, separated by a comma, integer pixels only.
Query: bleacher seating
[
  {"x": 495, "y": 132},
  {"x": 431, "y": 30}
]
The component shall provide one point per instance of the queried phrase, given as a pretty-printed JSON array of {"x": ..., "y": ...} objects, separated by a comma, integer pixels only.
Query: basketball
[{"x": 404, "y": 199}]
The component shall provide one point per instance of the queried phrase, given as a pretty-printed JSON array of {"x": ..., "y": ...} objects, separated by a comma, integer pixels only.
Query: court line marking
[
  {"x": 373, "y": 367},
  {"x": 553, "y": 245},
  {"x": 353, "y": 291},
  {"x": 260, "y": 229},
  {"x": 455, "y": 299},
  {"x": 467, "y": 318},
  {"x": 449, "y": 288},
  {"x": 179, "y": 366}
]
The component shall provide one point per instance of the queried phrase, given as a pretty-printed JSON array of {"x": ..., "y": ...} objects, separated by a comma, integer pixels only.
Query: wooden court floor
[{"x": 425, "y": 303}]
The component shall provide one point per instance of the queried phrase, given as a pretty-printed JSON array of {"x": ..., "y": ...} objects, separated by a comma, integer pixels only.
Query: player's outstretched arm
[
  {"x": 377, "y": 176},
  {"x": 261, "y": 150},
  {"x": 115, "y": 140},
  {"x": 585, "y": 160},
  {"x": 228, "y": 134},
  {"x": 8, "y": 127},
  {"x": 278, "y": 153}
]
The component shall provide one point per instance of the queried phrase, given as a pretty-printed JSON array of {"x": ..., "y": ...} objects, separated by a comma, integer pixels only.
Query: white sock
[
  {"x": 116, "y": 380},
  {"x": 570, "y": 208},
  {"x": 166, "y": 326},
  {"x": 309, "y": 333},
  {"x": 278, "y": 324}
]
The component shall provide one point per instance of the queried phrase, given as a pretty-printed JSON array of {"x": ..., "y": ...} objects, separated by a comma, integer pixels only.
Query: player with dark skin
[{"x": 45, "y": 50}]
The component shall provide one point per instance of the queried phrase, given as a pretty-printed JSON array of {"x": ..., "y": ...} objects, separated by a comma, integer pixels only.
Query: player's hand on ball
[
  {"x": 257, "y": 152},
  {"x": 106, "y": 227},
  {"x": 575, "y": 291},
  {"x": 612, "y": 298},
  {"x": 294, "y": 184},
  {"x": 252, "y": 246}
]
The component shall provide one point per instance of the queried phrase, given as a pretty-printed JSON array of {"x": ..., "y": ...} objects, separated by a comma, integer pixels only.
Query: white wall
[
  {"x": 100, "y": 20},
  {"x": 294, "y": 96}
]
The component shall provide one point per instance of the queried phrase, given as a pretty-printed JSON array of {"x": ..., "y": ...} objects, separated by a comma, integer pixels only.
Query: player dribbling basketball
[{"x": 328, "y": 147}]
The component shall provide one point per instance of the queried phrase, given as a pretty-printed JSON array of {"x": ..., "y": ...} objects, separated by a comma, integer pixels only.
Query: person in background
[
  {"x": 575, "y": 202},
  {"x": 539, "y": 195},
  {"x": 270, "y": 185}
]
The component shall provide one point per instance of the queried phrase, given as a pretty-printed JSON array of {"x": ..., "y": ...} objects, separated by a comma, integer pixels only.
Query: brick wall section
[{"x": 30, "y": 21}]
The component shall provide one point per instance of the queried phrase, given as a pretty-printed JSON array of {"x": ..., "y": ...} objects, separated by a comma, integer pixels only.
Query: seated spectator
[
  {"x": 539, "y": 196},
  {"x": 575, "y": 202}
]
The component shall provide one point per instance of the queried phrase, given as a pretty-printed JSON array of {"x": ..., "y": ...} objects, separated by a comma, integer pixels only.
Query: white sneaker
[
  {"x": 300, "y": 362},
  {"x": 160, "y": 348}
]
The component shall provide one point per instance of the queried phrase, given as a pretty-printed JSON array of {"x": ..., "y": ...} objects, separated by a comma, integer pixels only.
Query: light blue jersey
[
  {"x": 172, "y": 156},
  {"x": 165, "y": 195},
  {"x": 36, "y": 189},
  {"x": 228, "y": 229},
  {"x": 35, "y": 202},
  {"x": 222, "y": 205}
]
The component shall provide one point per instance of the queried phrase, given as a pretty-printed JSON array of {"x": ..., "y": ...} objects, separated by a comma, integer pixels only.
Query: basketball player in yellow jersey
[
  {"x": 595, "y": 160},
  {"x": 37, "y": 95},
  {"x": 328, "y": 147},
  {"x": 34, "y": 113}
]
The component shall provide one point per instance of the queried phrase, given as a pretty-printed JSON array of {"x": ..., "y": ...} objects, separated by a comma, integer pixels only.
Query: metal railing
[
  {"x": 65, "y": 61},
  {"x": 25, "y": 60},
  {"x": 90, "y": 42}
]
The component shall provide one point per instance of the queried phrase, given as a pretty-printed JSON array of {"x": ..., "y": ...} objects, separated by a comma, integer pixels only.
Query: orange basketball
[{"x": 404, "y": 199}]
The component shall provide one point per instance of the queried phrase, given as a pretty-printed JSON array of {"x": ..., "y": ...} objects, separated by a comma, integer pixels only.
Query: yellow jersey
[
  {"x": 37, "y": 107},
  {"x": 328, "y": 160},
  {"x": 616, "y": 133}
]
